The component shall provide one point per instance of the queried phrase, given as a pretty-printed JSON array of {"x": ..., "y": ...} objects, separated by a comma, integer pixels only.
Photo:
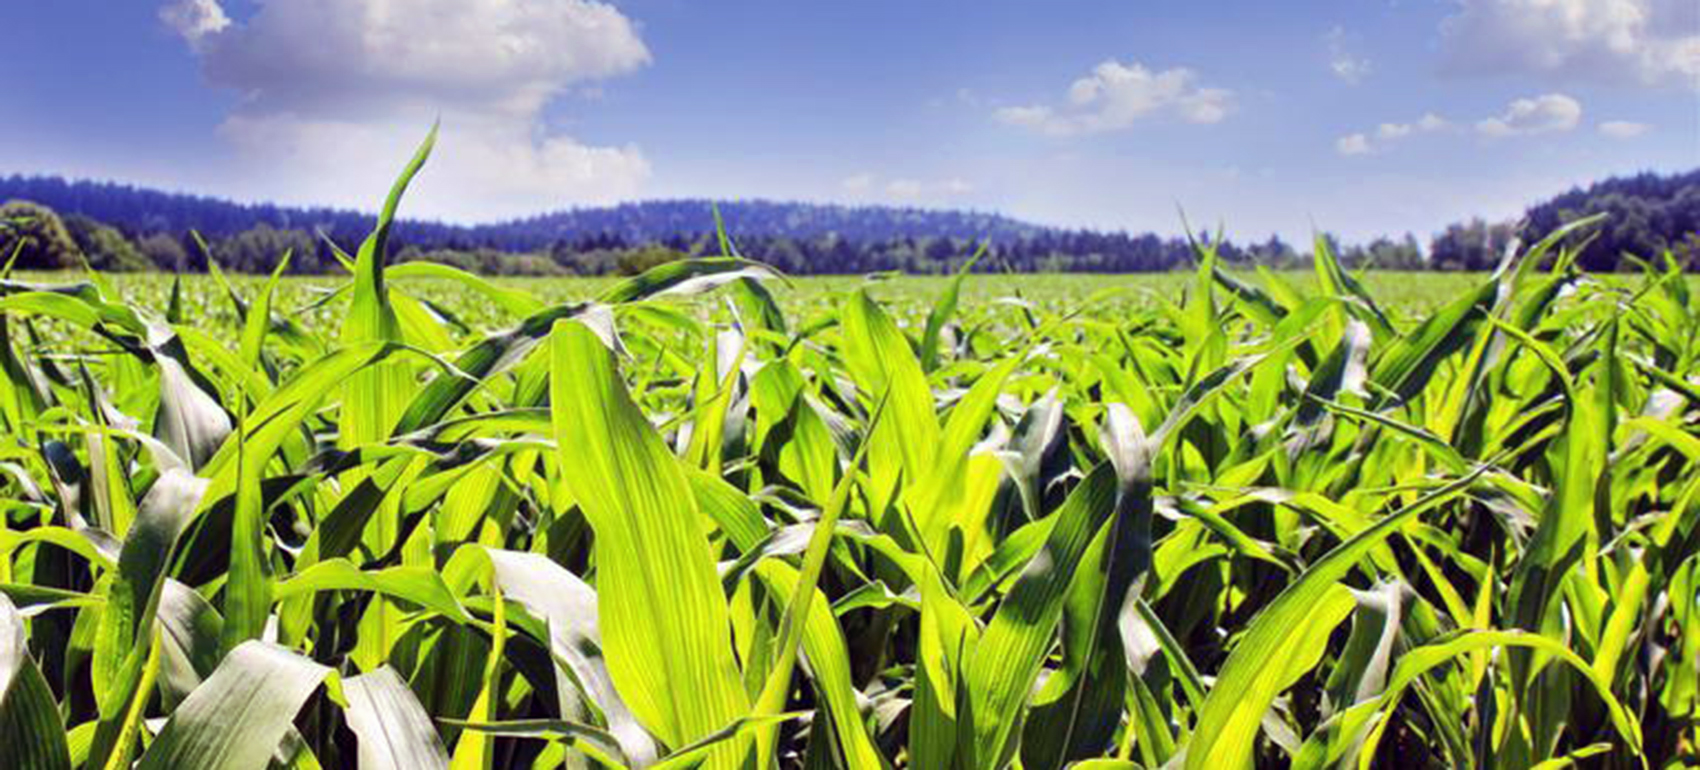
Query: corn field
[{"x": 678, "y": 526}]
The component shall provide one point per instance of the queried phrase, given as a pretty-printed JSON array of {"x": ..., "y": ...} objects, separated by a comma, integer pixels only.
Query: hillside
[
  {"x": 1647, "y": 214},
  {"x": 143, "y": 211}
]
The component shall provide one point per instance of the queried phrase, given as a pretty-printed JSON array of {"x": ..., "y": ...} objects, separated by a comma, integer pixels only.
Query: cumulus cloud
[
  {"x": 921, "y": 190},
  {"x": 858, "y": 184},
  {"x": 1428, "y": 123},
  {"x": 1538, "y": 115},
  {"x": 1352, "y": 144},
  {"x": 1544, "y": 114},
  {"x": 905, "y": 189},
  {"x": 1623, "y": 129},
  {"x": 482, "y": 168},
  {"x": 1115, "y": 96},
  {"x": 1349, "y": 67},
  {"x": 956, "y": 187},
  {"x": 1035, "y": 116},
  {"x": 194, "y": 19},
  {"x": 1643, "y": 41},
  {"x": 1384, "y": 135},
  {"x": 334, "y": 93}
]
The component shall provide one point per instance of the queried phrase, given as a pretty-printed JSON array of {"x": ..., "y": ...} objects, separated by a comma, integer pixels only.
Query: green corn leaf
[
  {"x": 1269, "y": 656},
  {"x": 686, "y": 276},
  {"x": 1008, "y": 657},
  {"x": 389, "y": 724},
  {"x": 944, "y": 308},
  {"x": 879, "y": 357},
  {"x": 373, "y": 399},
  {"x": 237, "y": 718},
  {"x": 569, "y": 606},
  {"x": 1404, "y": 369},
  {"x": 414, "y": 584},
  {"x": 260, "y": 317},
  {"x": 593, "y": 742},
  {"x": 664, "y": 621},
  {"x": 32, "y": 733},
  {"x": 123, "y": 645}
]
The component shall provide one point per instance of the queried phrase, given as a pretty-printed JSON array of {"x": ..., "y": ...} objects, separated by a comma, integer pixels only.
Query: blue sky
[{"x": 1362, "y": 116}]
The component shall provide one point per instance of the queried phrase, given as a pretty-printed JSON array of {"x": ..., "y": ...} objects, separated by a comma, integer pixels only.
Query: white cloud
[
  {"x": 335, "y": 93},
  {"x": 346, "y": 55},
  {"x": 858, "y": 184},
  {"x": 1645, "y": 41},
  {"x": 1389, "y": 133},
  {"x": 1623, "y": 129},
  {"x": 1538, "y": 115},
  {"x": 905, "y": 189},
  {"x": 194, "y": 19},
  {"x": 1427, "y": 124},
  {"x": 1393, "y": 130},
  {"x": 955, "y": 187},
  {"x": 1352, "y": 144},
  {"x": 1349, "y": 67},
  {"x": 1034, "y": 117},
  {"x": 921, "y": 190},
  {"x": 1547, "y": 113},
  {"x": 481, "y": 169},
  {"x": 867, "y": 187},
  {"x": 1115, "y": 96}
]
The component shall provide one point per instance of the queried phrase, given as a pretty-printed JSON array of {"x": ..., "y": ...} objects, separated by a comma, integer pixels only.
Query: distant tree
[
  {"x": 1476, "y": 245},
  {"x": 1332, "y": 243},
  {"x": 641, "y": 259},
  {"x": 531, "y": 264},
  {"x": 786, "y": 254},
  {"x": 105, "y": 248},
  {"x": 1387, "y": 254},
  {"x": 258, "y": 249},
  {"x": 485, "y": 261},
  {"x": 164, "y": 251},
  {"x": 1646, "y": 214},
  {"x": 1273, "y": 253},
  {"x": 37, "y": 236}
]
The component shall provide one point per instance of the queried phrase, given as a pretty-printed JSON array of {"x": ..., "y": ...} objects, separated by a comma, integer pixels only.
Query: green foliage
[
  {"x": 33, "y": 237},
  {"x": 703, "y": 516},
  {"x": 1649, "y": 214},
  {"x": 105, "y": 248},
  {"x": 638, "y": 260},
  {"x": 486, "y": 261}
]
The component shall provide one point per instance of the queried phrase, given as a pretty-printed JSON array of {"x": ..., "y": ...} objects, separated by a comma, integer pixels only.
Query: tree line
[{"x": 51, "y": 223}]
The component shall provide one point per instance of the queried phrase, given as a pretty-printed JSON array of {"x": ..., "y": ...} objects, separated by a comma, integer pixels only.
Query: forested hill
[
  {"x": 1644, "y": 215},
  {"x": 118, "y": 227},
  {"x": 139, "y": 211},
  {"x": 655, "y": 221},
  {"x": 143, "y": 211}
]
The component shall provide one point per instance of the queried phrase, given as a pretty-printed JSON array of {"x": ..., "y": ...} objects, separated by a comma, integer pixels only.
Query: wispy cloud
[
  {"x": 1544, "y": 114},
  {"x": 858, "y": 184},
  {"x": 869, "y": 187},
  {"x": 1353, "y": 144},
  {"x": 1536, "y": 115},
  {"x": 1623, "y": 129},
  {"x": 1116, "y": 96},
  {"x": 1350, "y": 67},
  {"x": 1386, "y": 134}
]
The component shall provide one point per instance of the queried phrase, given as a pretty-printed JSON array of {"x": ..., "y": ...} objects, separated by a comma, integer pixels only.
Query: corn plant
[{"x": 685, "y": 524}]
